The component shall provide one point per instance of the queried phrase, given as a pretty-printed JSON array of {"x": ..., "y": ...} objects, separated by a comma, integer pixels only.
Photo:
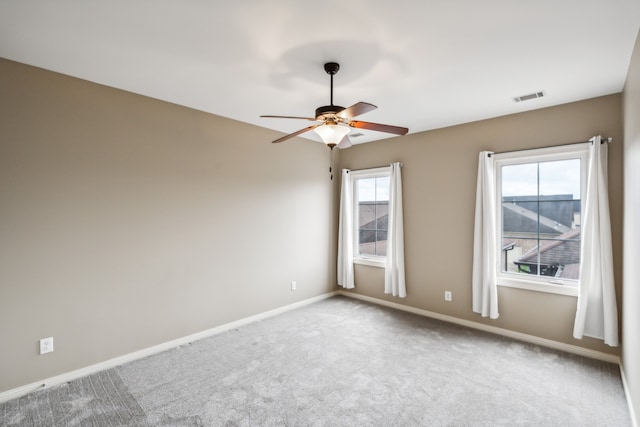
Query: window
[
  {"x": 539, "y": 195},
  {"x": 371, "y": 215}
]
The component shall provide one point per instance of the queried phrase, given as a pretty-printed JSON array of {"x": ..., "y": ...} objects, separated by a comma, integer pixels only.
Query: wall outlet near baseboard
[
  {"x": 294, "y": 286},
  {"x": 46, "y": 345},
  {"x": 447, "y": 295}
]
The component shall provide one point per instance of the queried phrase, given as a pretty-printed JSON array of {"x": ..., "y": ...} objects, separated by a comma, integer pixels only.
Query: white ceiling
[{"x": 425, "y": 64}]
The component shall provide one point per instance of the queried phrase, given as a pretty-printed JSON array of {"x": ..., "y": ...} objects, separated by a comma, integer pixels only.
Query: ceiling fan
[{"x": 335, "y": 122}]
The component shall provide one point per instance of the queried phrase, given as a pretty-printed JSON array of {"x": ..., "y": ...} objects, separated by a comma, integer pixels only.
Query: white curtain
[
  {"x": 394, "y": 282},
  {"x": 484, "y": 282},
  {"x": 345, "y": 233},
  {"x": 596, "y": 315}
]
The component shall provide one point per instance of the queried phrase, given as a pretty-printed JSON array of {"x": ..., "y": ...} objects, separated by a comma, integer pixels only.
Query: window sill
[
  {"x": 531, "y": 285},
  {"x": 373, "y": 262}
]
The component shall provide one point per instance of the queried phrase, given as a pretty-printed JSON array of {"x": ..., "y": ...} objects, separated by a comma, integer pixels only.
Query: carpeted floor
[{"x": 339, "y": 362}]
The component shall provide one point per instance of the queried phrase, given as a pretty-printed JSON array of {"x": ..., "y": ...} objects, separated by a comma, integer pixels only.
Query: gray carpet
[{"x": 340, "y": 362}]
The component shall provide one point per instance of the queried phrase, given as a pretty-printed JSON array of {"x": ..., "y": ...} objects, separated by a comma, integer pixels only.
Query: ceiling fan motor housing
[
  {"x": 331, "y": 67},
  {"x": 328, "y": 112}
]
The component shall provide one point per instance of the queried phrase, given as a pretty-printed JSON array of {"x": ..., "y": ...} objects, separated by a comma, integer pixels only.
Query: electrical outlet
[
  {"x": 447, "y": 295},
  {"x": 46, "y": 345},
  {"x": 294, "y": 286}
]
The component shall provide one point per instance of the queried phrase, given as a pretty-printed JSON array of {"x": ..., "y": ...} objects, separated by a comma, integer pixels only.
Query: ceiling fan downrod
[{"x": 331, "y": 68}]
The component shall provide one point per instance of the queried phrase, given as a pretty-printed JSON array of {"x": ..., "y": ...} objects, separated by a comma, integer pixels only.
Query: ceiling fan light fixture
[
  {"x": 332, "y": 133},
  {"x": 333, "y": 122}
]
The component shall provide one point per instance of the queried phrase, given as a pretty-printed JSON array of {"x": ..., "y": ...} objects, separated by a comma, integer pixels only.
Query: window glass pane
[
  {"x": 366, "y": 189},
  {"x": 560, "y": 178},
  {"x": 520, "y": 180},
  {"x": 382, "y": 188},
  {"x": 373, "y": 211},
  {"x": 382, "y": 215},
  {"x": 381, "y": 243},
  {"x": 367, "y": 241},
  {"x": 541, "y": 218}
]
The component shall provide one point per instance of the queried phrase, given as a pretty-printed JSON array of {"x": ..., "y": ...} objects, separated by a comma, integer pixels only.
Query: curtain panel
[
  {"x": 596, "y": 313},
  {"x": 484, "y": 280},
  {"x": 345, "y": 233},
  {"x": 394, "y": 279}
]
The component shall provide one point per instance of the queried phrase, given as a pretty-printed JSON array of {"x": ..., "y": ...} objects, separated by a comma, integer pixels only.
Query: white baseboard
[
  {"x": 111, "y": 363},
  {"x": 592, "y": 354},
  {"x": 627, "y": 393}
]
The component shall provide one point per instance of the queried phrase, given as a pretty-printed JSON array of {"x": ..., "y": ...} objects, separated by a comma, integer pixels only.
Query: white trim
[
  {"x": 592, "y": 354},
  {"x": 370, "y": 173},
  {"x": 543, "y": 153},
  {"x": 370, "y": 261},
  {"x": 569, "y": 290},
  {"x": 117, "y": 361},
  {"x": 627, "y": 393}
]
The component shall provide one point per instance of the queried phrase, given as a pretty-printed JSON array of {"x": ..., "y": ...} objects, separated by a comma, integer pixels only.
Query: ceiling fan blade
[
  {"x": 345, "y": 143},
  {"x": 378, "y": 127},
  {"x": 356, "y": 110},
  {"x": 291, "y": 135},
  {"x": 290, "y": 117}
]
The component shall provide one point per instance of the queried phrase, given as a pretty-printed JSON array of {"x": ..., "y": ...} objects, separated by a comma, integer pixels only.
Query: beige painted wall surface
[
  {"x": 126, "y": 222},
  {"x": 631, "y": 289},
  {"x": 439, "y": 184}
]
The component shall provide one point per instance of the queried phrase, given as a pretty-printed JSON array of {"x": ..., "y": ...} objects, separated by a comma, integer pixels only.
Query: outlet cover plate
[{"x": 46, "y": 345}]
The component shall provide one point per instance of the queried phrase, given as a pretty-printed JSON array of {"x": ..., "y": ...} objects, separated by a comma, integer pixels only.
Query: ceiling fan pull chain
[{"x": 331, "y": 164}]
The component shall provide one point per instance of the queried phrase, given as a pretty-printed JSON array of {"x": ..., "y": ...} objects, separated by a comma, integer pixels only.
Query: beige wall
[
  {"x": 439, "y": 184},
  {"x": 128, "y": 222},
  {"x": 631, "y": 289}
]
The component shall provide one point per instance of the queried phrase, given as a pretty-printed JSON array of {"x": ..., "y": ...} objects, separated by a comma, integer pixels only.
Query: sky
[
  {"x": 556, "y": 177},
  {"x": 368, "y": 187}
]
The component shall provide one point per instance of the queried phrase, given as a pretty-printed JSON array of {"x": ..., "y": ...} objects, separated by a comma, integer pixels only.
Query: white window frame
[
  {"x": 537, "y": 283},
  {"x": 371, "y": 260}
]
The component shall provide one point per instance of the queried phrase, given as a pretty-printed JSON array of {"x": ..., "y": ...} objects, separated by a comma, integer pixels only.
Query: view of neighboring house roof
[
  {"x": 570, "y": 271},
  {"x": 374, "y": 230},
  {"x": 373, "y": 215},
  {"x": 373, "y": 248},
  {"x": 564, "y": 252},
  {"x": 373, "y": 223},
  {"x": 552, "y": 220},
  {"x": 511, "y": 211}
]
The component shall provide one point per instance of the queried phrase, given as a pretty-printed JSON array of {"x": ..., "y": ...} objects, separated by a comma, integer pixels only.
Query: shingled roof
[
  {"x": 563, "y": 253},
  {"x": 548, "y": 214},
  {"x": 516, "y": 217}
]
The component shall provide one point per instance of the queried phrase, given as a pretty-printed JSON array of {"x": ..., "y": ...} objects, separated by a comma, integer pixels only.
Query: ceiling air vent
[
  {"x": 528, "y": 97},
  {"x": 355, "y": 135}
]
